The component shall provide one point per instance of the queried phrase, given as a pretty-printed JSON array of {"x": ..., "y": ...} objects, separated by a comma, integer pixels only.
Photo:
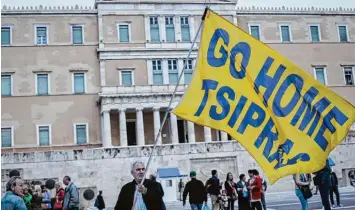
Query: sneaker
[
  {"x": 340, "y": 205},
  {"x": 333, "y": 206}
]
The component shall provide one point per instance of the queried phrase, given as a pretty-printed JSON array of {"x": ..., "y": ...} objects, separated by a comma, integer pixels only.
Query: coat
[
  {"x": 71, "y": 197},
  {"x": 255, "y": 193},
  {"x": 153, "y": 199},
  {"x": 58, "y": 205}
]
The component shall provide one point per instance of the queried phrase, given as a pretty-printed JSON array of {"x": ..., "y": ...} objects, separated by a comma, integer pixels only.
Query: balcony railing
[{"x": 139, "y": 89}]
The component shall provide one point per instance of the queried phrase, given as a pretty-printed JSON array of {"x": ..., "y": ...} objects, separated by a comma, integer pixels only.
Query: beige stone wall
[
  {"x": 113, "y": 68},
  {"x": 57, "y": 61},
  {"x": 59, "y": 30},
  {"x": 110, "y": 29},
  {"x": 270, "y": 33},
  {"x": 109, "y": 169},
  {"x": 61, "y": 112}
]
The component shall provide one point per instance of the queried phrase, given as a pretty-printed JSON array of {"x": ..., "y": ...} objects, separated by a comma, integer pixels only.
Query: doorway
[
  {"x": 181, "y": 131},
  {"x": 131, "y": 133}
]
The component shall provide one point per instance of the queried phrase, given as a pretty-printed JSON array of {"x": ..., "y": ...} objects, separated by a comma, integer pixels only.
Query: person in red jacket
[
  {"x": 255, "y": 188},
  {"x": 59, "y": 196}
]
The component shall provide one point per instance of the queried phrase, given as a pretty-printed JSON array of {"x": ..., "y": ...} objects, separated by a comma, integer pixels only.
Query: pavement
[{"x": 288, "y": 201}]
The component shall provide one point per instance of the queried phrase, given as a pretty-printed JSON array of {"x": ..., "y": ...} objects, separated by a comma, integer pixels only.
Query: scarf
[{"x": 140, "y": 205}]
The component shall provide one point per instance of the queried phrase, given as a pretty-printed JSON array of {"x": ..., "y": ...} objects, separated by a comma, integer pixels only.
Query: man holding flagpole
[{"x": 146, "y": 196}]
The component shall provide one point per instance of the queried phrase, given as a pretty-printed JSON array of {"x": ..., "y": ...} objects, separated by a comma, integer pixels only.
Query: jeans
[
  {"x": 263, "y": 200},
  {"x": 304, "y": 202},
  {"x": 324, "y": 194},
  {"x": 196, "y": 206},
  {"x": 335, "y": 190},
  {"x": 231, "y": 204},
  {"x": 256, "y": 205},
  {"x": 243, "y": 203}
]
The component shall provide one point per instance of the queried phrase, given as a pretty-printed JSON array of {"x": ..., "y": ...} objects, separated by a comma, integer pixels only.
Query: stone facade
[{"x": 124, "y": 103}]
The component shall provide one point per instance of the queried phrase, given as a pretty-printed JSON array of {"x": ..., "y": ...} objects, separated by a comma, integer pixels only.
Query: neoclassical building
[{"x": 98, "y": 81}]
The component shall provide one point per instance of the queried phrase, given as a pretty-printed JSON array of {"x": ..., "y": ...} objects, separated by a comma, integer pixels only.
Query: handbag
[{"x": 305, "y": 190}]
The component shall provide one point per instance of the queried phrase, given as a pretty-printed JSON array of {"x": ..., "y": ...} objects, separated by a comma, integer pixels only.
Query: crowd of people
[
  {"x": 248, "y": 192},
  {"x": 19, "y": 196}
]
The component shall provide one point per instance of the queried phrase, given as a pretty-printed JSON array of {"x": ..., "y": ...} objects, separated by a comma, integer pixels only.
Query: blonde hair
[{"x": 59, "y": 184}]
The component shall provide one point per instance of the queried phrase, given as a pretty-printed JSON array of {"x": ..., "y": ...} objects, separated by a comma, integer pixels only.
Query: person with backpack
[
  {"x": 302, "y": 188},
  {"x": 323, "y": 180},
  {"x": 100, "y": 203},
  {"x": 213, "y": 188}
]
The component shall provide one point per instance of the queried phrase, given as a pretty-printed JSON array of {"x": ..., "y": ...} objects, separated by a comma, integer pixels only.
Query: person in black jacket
[
  {"x": 145, "y": 197},
  {"x": 213, "y": 188},
  {"x": 334, "y": 189},
  {"x": 100, "y": 201},
  {"x": 197, "y": 192},
  {"x": 154, "y": 178}
]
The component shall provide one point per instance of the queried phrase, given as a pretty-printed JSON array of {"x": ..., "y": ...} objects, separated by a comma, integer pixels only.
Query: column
[
  {"x": 165, "y": 71},
  {"x": 140, "y": 127},
  {"x": 191, "y": 132},
  {"x": 162, "y": 31},
  {"x": 147, "y": 28},
  {"x": 102, "y": 73},
  {"x": 156, "y": 113},
  {"x": 123, "y": 128},
  {"x": 180, "y": 66},
  {"x": 107, "y": 129},
  {"x": 193, "y": 30},
  {"x": 174, "y": 130},
  {"x": 177, "y": 28},
  {"x": 224, "y": 136},
  {"x": 207, "y": 132}
]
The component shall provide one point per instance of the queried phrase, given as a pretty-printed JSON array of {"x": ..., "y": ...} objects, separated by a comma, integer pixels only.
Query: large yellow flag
[{"x": 288, "y": 121}]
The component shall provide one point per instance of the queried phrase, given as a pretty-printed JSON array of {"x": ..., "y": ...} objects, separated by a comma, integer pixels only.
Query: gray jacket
[{"x": 71, "y": 198}]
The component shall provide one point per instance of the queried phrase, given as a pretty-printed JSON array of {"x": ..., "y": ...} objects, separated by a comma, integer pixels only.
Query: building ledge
[{"x": 144, "y": 90}]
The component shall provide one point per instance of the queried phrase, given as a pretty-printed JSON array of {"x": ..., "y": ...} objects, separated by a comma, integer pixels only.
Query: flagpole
[{"x": 171, "y": 99}]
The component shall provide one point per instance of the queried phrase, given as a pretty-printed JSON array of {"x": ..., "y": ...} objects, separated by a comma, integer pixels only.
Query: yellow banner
[{"x": 288, "y": 121}]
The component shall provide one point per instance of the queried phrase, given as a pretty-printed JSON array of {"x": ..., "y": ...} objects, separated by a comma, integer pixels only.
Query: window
[
  {"x": 6, "y": 35},
  {"x": 6, "y": 137},
  {"x": 315, "y": 33},
  {"x": 41, "y": 35},
  {"x": 185, "y": 29},
  {"x": 188, "y": 71},
  {"x": 77, "y": 34},
  {"x": 81, "y": 133},
  {"x": 6, "y": 85},
  {"x": 44, "y": 135},
  {"x": 126, "y": 78},
  {"x": 157, "y": 72},
  {"x": 173, "y": 71},
  {"x": 124, "y": 32},
  {"x": 320, "y": 74},
  {"x": 154, "y": 29},
  {"x": 343, "y": 33},
  {"x": 42, "y": 83},
  {"x": 79, "y": 83},
  {"x": 169, "y": 183},
  {"x": 349, "y": 76},
  {"x": 285, "y": 33},
  {"x": 254, "y": 30},
  {"x": 170, "y": 30}
]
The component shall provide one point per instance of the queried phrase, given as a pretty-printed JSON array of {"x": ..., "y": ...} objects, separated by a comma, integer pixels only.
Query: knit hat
[{"x": 192, "y": 173}]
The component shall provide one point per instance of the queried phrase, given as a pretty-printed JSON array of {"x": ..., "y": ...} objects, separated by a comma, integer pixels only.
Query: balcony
[{"x": 147, "y": 90}]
